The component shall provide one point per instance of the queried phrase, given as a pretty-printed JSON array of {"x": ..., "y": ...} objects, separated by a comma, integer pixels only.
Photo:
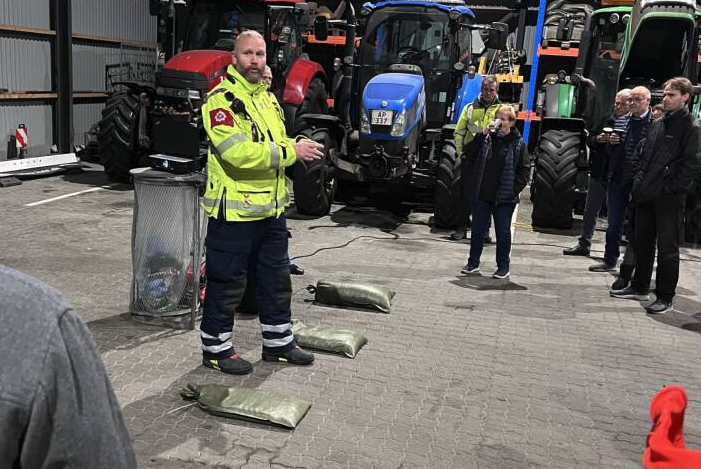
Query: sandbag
[
  {"x": 352, "y": 294},
  {"x": 328, "y": 338},
  {"x": 246, "y": 403}
]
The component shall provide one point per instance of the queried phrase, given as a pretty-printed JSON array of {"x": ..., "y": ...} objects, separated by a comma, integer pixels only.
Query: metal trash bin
[{"x": 166, "y": 247}]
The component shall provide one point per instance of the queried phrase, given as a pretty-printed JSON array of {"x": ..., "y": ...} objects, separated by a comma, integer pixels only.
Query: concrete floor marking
[{"x": 65, "y": 196}]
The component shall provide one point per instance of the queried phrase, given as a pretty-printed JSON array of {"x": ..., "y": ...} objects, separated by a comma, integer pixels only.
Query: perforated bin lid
[{"x": 152, "y": 176}]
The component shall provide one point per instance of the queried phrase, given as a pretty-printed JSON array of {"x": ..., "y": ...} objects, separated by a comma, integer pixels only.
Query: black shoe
[
  {"x": 296, "y": 356},
  {"x": 629, "y": 294},
  {"x": 488, "y": 239},
  {"x": 470, "y": 269},
  {"x": 233, "y": 365},
  {"x": 577, "y": 250},
  {"x": 602, "y": 267},
  {"x": 502, "y": 272},
  {"x": 296, "y": 270},
  {"x": 658, "y": 307},
  {"x": 458, "y": 234},
  {"x": 619, "y": 285}
]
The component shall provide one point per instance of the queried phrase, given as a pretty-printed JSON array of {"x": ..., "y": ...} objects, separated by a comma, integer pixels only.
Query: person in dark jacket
[
  {"x": 620, "y": 175},
  {"x": 599, "y": 143},
  {"x": 57, "y": 406},
  {"x": 501, "y": 171},
  {"x": 669, "y": 163}
]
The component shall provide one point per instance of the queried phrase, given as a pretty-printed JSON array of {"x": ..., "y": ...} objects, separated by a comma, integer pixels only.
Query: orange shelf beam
[{"x": 556, "y": 51}]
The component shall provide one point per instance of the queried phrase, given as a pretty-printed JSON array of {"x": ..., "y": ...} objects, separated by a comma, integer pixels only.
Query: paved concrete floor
[{"x": 544, "y": 370}]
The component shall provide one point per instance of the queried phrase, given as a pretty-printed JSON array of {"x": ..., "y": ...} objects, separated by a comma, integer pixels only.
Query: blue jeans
[
  {"x": 481, "y": 213},
  {"x": 234, "y": 248},
  {"x": 595, "y": 199},
  {"x": 618, "y": 196}
]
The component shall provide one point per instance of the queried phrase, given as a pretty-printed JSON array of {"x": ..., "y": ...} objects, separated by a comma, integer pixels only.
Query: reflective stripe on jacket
[
  {"x": 473, "y": 120},
  {"x": 249, "y": 151}
]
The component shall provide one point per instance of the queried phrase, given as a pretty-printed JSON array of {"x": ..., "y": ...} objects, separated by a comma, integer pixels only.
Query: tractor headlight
[
  {"x": 364, "y": 123},
  {"x": 614, "y": 18},
  {"x": 454, "y": 15},
  {"x": 626, "y": 18},
  {"x": 399, "y": 125},
  {"x": 194, "y": 94},
  {"x": 365, "y": 11}
]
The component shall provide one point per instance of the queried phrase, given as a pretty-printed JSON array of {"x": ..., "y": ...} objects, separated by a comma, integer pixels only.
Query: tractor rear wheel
[
  {"x": 554, "y": 181},
  {"x": 313, "y": 184},
  {"x": 448, "y": 182},
  {"x": 117, "y": 138}
]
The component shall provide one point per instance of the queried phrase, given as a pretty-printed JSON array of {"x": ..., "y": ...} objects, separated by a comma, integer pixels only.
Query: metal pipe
[{"x": 62, "y": 65}]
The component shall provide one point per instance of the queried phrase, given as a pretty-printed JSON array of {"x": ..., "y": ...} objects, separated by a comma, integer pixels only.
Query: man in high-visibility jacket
[
  {"x": 245, "y": 199},
  {"x": 473, "y": 120}
]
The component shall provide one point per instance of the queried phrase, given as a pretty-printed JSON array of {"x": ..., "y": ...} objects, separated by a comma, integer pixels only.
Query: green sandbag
[
  {"x": 352, "y": 294},
  {"x": 328, "y": 338},
  {"x": 252, "y": 404}
]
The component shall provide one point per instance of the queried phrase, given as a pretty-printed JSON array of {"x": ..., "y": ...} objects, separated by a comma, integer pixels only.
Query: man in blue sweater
[{"x": 620, "y": 175}]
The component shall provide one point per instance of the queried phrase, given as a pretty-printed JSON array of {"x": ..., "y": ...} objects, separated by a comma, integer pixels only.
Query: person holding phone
[{"x": 501, "y": 171}]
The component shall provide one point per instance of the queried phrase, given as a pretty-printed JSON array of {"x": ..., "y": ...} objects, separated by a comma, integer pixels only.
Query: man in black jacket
[
  {"x": 669, "y": 164},
  {"x": 599, "y": 143}
]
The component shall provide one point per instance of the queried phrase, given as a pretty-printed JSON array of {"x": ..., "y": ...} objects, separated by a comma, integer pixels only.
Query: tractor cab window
[
  {"x": 416, "y": 36},
  {"x": 216, "y": 25},
  {"x": 283, "y": 40},
  {"x": 605, "y": 56}
]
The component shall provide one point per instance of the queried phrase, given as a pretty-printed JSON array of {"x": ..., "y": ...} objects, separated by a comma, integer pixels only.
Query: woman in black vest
[{"x": 501, "y": 171}]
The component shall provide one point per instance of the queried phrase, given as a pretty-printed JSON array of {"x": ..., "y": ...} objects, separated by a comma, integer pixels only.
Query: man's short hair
[
  {"x": 623, "y": 91},
  {"x": 247, "y": 33},
  {"x": 509, "y": 109},
  {"x": 681, "y": 84},
  {"x": 490, "y": 79},
  {"x": 658, "y": 107}
]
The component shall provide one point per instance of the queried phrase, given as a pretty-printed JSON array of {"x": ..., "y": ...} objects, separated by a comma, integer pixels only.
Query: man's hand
[
  {"x": 602, "y": 138},
  {"x": 614, "y": 139},
  {"x": 309, "y": 150}
]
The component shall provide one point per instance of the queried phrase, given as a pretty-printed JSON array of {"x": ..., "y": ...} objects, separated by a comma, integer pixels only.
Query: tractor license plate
[{"x": 381, "y": 118}]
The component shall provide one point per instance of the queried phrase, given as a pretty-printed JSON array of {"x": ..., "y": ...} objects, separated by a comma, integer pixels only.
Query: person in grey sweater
[{"x": 57, "y": 407}]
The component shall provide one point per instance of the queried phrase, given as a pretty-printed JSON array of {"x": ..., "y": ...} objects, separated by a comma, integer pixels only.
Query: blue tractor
[{"x": 395, "y": 97}]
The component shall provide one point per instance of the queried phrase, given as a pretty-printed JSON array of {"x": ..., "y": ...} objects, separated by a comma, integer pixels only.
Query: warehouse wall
[{"x": 105, "y": 32}]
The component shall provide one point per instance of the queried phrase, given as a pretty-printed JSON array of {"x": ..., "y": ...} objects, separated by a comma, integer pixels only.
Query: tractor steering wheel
[{"x": 408, "y": 52}]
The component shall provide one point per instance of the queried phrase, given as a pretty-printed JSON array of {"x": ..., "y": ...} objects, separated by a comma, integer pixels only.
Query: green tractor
[{"x": 624, "y": 46}]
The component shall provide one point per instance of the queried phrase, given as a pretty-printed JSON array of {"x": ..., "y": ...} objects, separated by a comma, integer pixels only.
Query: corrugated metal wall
[
  {"x": 127, "y": 19},
  {"x": 26, "y": 61},
  {"x": 37, "y": 118},
  {"x": 26, "y": 64},
  {"x": 27, "y": 13}
]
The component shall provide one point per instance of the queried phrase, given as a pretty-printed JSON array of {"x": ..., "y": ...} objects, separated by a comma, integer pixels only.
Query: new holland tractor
[
  {"x": 395, "y": 93},
  {"x": 141, "y": 120},
  {"x": 645, "y": 43}
]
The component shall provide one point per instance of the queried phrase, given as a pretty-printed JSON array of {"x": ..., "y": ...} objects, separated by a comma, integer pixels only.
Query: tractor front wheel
[
  {"x": 447, "y": 202},
  {"x": 313, "y": 183},
  {"x": 554, "y": 181}
]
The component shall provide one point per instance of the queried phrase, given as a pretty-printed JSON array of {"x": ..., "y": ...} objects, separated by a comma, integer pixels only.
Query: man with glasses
[
  {"x": 669, "y": 165},
  {"x": 620, "y": 175},
  {"x": 600, "y": 143}
]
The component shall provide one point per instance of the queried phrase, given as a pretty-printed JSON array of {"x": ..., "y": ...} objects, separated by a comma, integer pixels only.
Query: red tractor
[{"x": 140, "y": 120}]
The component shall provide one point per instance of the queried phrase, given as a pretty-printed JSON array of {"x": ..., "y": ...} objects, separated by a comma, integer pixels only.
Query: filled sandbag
[
  {"x": 352, "y": 294},
  {"x": 328, "y": 338},
  {"x": 249, "y": 404}
]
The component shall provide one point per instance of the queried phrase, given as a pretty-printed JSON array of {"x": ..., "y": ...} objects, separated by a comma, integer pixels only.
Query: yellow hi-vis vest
[
  {"x": 473, "y": 120},
  {"x": 248, "y": 151}
]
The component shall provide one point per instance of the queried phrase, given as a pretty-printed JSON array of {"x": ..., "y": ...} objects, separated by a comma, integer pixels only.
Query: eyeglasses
[{"x": 636, "y": 99}]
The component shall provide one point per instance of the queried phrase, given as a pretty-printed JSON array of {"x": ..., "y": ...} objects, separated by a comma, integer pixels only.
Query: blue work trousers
[
  {"x": 481, "y": 213},
  {"x": 232, "y": 248},
  {"x": 618, "y": 196}
]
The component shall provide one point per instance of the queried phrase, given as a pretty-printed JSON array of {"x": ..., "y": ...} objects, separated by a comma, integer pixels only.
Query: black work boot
[
  {"x": 577, "y": 250},
  {"x": 295, "y": 356},
  {"x": 234, "y": 365}
]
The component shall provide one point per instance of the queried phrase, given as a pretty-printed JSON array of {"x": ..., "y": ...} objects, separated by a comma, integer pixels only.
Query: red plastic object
[
  {"x": 210, "y": 63},
  {"x": 665, "y": 447}
]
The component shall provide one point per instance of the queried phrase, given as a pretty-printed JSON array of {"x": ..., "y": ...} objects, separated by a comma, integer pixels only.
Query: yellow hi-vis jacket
[
  {"x": 473, "y": 120},
  {"x": 248, "y": 151}
]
